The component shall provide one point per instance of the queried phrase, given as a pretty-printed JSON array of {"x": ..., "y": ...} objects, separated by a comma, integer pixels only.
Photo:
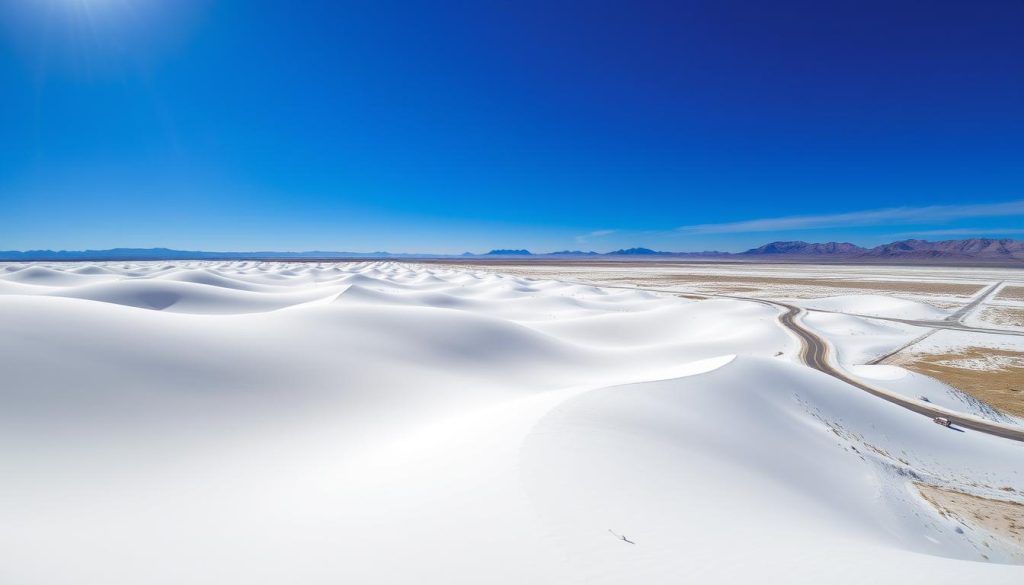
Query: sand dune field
[{"x": 399, "y": 423}]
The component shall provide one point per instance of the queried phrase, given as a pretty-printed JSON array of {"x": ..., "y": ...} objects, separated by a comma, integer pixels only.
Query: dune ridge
[{"x": 212, "y": 422}]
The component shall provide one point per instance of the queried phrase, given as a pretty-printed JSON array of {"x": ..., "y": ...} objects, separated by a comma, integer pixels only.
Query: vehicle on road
[{"x": 941, "y": 420}]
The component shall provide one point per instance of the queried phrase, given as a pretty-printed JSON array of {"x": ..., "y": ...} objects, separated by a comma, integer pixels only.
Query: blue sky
[{"x": 449, "y": 126}]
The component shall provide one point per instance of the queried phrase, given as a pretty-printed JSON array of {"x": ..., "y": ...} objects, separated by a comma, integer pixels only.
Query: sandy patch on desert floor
[
  {"x": 992, "y": 375},
  {"x": 928, "y": 288},
  {"x": 1012, "y": 293},
  {"x": 1001, "y": 316},
  {"x": 1002, "y": 519}
]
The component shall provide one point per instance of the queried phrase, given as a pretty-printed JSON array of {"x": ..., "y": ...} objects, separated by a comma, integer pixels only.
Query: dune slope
[{"x": 391, "y": 423}]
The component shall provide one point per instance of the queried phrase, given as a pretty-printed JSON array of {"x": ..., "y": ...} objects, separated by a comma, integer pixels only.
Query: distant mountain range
[
  {"x": 975, "y": 249},
  {"x": 807, "y": 249},
  {"x": 953, "y": 250},
  {"x": 624, "y": 252},
  {"x": 981, "y": 250}
]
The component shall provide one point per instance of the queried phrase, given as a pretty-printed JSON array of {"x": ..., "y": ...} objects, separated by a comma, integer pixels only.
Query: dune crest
[{"x": 210, "y": 422}]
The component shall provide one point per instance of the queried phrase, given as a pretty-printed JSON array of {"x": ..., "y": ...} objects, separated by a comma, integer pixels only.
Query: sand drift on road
[{"x": 395, "y": 423}]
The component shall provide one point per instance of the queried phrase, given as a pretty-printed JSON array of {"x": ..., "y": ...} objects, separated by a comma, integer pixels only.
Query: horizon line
[{"x": 492, "y": 252}]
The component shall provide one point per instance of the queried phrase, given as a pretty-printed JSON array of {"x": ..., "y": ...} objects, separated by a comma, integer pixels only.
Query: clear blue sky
[{"x": 449, "y": 126}]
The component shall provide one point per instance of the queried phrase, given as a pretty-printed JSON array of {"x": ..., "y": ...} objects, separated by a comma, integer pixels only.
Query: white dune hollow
[{"x": 269, "y": 423}]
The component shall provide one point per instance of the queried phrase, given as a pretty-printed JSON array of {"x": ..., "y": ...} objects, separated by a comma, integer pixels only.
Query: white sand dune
[
  {"x": 44, "y": 276},
  {"x": 858, "y": 340},
  {"x": 191, "y": 297},
  {"x": 390, "y": 423}
]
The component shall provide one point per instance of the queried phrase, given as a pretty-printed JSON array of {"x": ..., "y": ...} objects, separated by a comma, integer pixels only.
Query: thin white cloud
[
  {"x": 593, "y": 235},
  {"x": 890, "y": 216}
]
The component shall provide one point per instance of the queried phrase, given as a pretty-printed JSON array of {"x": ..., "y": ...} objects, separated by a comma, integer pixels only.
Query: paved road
[
  {"x": 954, "y": 322},
  {"x": 881, "y": 359},
  {"x": 964, "y": 311},
  {"x": 814, "y": 353},
  {"x": 930, "y": 324}
]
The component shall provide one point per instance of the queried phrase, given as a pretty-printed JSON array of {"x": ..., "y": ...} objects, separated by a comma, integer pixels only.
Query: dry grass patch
[
  {"x": 909, "y": 287},
  {"x": 1003, "y": 519},
  {"x": 995, "y": 376},
  {"x": 1003, "y": 316},
  {"x": 1012, "y": 293}
]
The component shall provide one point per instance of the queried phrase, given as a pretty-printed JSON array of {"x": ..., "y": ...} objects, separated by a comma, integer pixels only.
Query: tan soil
[
  {"x": 932, "y": 288},
  {"x": 1003, "y": 519},
  {"x": 1002, "y": 387},
  {"x": 1003, "y": 316},
  {"x": 1013, "y": 293}
]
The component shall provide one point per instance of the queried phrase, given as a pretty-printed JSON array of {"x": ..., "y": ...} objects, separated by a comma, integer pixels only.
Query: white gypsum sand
[{"x": 394, "y": 423}]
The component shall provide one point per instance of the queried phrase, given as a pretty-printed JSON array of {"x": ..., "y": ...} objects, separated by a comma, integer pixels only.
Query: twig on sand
[{"x": 621, "y": 537}]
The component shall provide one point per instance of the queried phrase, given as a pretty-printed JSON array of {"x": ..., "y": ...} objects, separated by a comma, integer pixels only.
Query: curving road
[{"x": 814, "y": 353}]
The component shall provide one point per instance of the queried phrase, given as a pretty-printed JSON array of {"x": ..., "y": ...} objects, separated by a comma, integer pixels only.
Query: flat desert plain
[{"x": 252, "y": 422}]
